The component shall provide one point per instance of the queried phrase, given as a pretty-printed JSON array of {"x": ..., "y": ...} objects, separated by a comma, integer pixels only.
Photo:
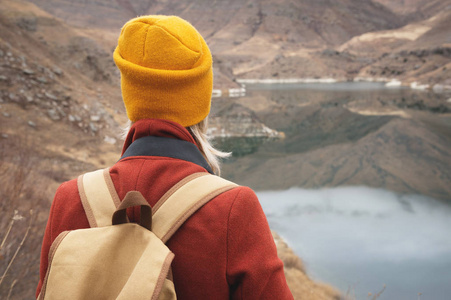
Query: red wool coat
[{"x": 224, "y": 251}]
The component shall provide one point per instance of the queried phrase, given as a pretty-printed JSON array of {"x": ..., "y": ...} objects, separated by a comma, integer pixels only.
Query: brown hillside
[
  {"x": 290, "y": 32},
  {"x": 57, "y": 85},
  {"x": 419, "y": 51},
  {"x": 416, "y": 10}
]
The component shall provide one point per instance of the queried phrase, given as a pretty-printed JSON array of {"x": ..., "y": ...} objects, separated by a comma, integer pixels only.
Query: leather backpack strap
[
  {"x": 98, "y": 197},
  {"x": 184, "y": 199}
]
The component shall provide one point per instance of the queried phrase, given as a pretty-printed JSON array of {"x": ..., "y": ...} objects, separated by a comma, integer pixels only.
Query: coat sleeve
[
  {"x": 66, "y": 213},
  {"x": 254, "y": 270},
  {"x": 46, "y": 243}
]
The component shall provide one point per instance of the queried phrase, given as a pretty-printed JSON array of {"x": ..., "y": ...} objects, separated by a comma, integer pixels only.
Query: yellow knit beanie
[{"x": 166, "y": 70}]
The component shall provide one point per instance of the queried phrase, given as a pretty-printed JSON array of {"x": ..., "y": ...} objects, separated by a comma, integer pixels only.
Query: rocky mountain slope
[
  {"x": 419, "y": 51},
  {"x": 259, "y": 39},
  {"x": 415, "y": 9},
  {"x": 58, "y": 86}
]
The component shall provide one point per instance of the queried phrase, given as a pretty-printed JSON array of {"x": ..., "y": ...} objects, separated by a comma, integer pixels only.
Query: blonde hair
[
  {"x": 211, "y": 154},
  {"x": 200, "y": 136}
]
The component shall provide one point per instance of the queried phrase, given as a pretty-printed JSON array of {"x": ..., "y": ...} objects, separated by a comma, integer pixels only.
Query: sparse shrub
[{"x": 24, "y": 208}]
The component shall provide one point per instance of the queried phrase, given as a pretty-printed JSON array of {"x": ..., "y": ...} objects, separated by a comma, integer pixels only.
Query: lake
[
  {"x": 360, "y": 187},
  {"x": 361, "y": 239}
]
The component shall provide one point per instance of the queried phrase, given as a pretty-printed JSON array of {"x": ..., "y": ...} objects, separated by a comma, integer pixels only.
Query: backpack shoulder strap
[
  {"x": 184, "y": 199},
  {"x": 98, "y": 196},
  {"x": 100, "y": 200}
]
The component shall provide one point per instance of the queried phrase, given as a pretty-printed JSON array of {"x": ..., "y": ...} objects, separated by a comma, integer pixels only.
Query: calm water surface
[{"x": 362, "y": 238}]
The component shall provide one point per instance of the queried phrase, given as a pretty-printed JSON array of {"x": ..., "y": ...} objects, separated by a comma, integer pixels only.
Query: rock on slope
[{"x": 59, "y": 89}]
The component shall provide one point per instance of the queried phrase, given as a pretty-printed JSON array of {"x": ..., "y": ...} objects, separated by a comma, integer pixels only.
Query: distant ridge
[{"x": 300, "y": 39}]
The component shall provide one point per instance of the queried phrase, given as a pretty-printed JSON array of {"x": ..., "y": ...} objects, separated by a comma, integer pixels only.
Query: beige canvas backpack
[{"x": 115, "y": 259}]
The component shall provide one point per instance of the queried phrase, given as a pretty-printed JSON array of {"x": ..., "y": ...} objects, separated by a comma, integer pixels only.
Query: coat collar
[{"x": 156, "y": 127}]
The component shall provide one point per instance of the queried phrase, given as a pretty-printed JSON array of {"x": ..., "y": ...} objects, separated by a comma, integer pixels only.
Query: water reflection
[
  {"x": 345, "y": 134},
  {"x": 365, "y": 238}
]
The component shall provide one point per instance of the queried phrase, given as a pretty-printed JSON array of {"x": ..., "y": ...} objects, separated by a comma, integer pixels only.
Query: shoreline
[{"x": 389, "y": 83}]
